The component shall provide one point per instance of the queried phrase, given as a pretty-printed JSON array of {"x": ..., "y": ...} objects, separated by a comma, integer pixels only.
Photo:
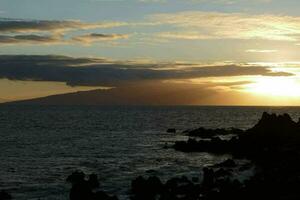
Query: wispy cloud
[
  {"x": 48, "y": 32},
  {"x": 230, "y": 2},
  {"x": 96, "y": 37},
  {"x": 29, "y": 39},
  {"x": 224, "y": 2},
  {"x": 217, "y": 25},
  {"x": 261, "y": 51},
  {"x": 32, "y": 39},
  {"x": 184, "y": 35},
  {"x": 30, "y": 26},
  {"x": 152, "y": 1},
  {"x": 189, "y": 25}
]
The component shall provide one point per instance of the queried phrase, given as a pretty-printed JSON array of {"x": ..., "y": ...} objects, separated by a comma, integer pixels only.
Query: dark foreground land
[
  {"x": 272, "y": 145},
  {"x": 272, "y": 151}
]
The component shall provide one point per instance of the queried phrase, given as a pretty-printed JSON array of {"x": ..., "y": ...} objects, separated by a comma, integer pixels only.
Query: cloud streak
[
  {"x": 96, "y": 37},
  {"x": 218, "y": 25},
  {"x": 48, "y": 32},
  {"x": 188, "y": 25},
  {"x": 29, "y": 39},
  {"x": 30, "y": 26},
  {"x": 261, "y": 50}
]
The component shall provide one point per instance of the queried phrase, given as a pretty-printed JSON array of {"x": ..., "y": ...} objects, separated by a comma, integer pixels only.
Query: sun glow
[{"x": 275, "y": 86}]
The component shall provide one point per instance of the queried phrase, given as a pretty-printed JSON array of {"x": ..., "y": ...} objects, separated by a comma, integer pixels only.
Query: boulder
[
  {"x": 5, "y": 196},
  {"x": 84, "y": 189},
  {"x": 171, "y": 130},
  {"x": 142, "y": 188}
]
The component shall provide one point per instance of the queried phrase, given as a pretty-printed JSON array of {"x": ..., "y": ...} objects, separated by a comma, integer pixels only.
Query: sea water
[{"x": 41, "y": 145}]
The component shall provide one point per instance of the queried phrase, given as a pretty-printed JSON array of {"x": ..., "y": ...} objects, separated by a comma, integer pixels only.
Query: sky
[{"x": 199, "y": 52}]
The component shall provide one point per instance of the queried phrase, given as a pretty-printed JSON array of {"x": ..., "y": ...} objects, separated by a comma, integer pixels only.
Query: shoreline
[{"x": 273, "y": 138}]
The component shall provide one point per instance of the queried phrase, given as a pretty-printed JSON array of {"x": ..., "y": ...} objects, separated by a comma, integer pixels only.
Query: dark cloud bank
[{"x": 100, "y": 72}]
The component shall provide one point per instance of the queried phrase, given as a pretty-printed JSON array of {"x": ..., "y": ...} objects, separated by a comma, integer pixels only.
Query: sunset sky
[{"x": 191, "y": 52}]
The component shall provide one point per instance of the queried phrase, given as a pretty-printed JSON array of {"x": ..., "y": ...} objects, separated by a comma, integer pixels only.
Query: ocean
[{"x": 41, "y": 145}]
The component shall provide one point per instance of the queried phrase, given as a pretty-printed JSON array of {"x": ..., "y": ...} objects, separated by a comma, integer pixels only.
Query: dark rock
[
  {"x": 188, "y": 130},
  {"x": 274, "y": 127},
  {"x": 181, "y": 188},
  {"x": 83, "y": 189},
  {"x": 171, "y": 130},
  {"x": 5, "y": 196},
  {"x": 76, "y": 177},
  {"x": 222, "y": 173},
  {"x": 272, "y": 135},
  {"x": 142, "y": 188},
  {"x": 173, "y": 189},
  {"x": 151, "y": 171},
  {"x": 272, "y": 146},
  {"x": 229, "y": 163},
  {"x": 209, "y": 133},
  {"x": 208, "y": 177},
  {"x": 93, "y": 181},
  {"x": 195, "y": 179},
  {"x": 215, "y": 145},
  {"x": 100, "y": 195}
]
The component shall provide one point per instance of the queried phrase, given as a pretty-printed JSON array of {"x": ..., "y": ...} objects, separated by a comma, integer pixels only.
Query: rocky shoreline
[{"x": 271, "y": 148}]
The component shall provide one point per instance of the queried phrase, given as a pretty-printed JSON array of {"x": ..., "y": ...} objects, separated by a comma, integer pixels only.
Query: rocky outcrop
[
  {"x": 209, "y": 133},
  {"x": 87, "y": 189},
  {"x": 216, "y": 184},
  {"x": 171, "y": 130},
  {"x": 273, "y": 145},
  {"x": 5, "y": 196},
  {"x": 214, "y": 145},
  {"x": 273, "y": 134}
]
